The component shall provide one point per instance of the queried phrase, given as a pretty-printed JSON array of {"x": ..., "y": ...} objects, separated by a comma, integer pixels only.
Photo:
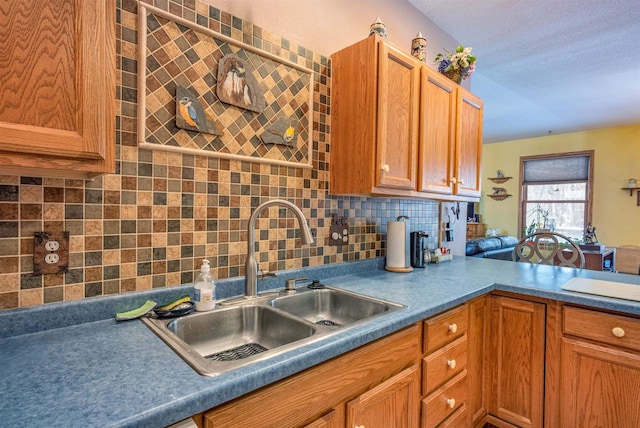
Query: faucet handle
[
  {"x": 290, "y": 284},
  {"x": 263, "y": 274}
]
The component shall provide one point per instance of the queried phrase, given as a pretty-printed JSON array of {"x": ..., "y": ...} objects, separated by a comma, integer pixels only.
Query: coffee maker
[{"x": 417, "y": 247}]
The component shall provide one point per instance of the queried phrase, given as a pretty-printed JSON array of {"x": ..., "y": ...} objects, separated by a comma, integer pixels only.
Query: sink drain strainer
[
  {"x": 328, "y": 323},
  {"x": 238, "y": 353}
]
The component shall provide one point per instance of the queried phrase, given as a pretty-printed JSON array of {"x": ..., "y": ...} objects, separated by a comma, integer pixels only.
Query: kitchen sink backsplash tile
[{"x": 151, "y": 223}]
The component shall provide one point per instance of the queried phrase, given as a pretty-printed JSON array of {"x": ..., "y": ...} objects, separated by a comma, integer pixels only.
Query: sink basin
[
  {"x": 227, "y": 338},
  {"x": 331, "y": 307},
  {"x": 239, "y": 332}
]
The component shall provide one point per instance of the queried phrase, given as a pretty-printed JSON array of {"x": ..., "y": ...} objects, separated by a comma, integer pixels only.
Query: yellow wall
[{"x": 616, "y": 159}]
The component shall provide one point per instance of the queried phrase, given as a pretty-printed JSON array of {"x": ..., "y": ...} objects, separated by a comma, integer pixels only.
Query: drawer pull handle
[
  {"x": 453, "y": 180},
  {"x": 451, "y": 402},
  {"x": 452, "y": 363},
  {"x": 385, "y": 168},
  {"x": 618, "y": 332},
  {"x": 453, "y": 328}
]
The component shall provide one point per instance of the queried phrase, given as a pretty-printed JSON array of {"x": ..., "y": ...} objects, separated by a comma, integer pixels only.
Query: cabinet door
[
  {"x": 599, "y": 386},
  {"x": 333, "y": 419},
  {"x": 397, "y": 132},
  {"x": 437, "y": 132},
  {"x": 58, "y": 87},
  {"x": 478, "y": 324},
  {"x": 468, "y": 144},
  {"x": 392, "y": 404},
  {"x": 516, "y": 361}
]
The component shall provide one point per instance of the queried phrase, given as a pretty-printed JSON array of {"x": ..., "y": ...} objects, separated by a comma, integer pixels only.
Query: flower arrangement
[{"x": 460, "y": 62}]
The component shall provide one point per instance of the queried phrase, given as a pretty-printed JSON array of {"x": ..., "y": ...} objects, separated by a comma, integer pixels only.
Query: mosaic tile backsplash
[{"x": 152, "y": 222}]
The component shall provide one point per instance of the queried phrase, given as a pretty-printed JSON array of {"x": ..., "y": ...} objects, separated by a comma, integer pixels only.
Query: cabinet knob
[
  {"x": 453, "y": 328},
  {"x": 359, "y": 426},
  {"x": 452, "y": 363},
  {"x": 453, "y": 180},
  {"x": 618, "y": 332},
  {"x": 461, "y": 181},
  {"x": 451, "y": 402},
  {"x": 385, "y": 168}
]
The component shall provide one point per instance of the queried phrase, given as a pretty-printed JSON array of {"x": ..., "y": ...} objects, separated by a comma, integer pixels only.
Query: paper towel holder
[{"x": 403, "y": 265}]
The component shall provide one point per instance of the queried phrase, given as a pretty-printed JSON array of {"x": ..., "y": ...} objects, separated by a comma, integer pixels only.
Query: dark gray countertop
[{"x": 88, "y": 370}]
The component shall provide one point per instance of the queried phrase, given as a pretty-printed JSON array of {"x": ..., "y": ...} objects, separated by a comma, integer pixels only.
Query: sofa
[{"x": 498, "y": 247}]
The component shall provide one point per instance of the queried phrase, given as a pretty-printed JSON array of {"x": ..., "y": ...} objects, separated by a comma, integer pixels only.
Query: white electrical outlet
[
  {"x": 51, "y": 258},
  {"x": 52, "y": 246}
]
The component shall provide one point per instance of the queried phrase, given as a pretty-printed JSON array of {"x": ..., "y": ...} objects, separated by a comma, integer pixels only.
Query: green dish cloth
[{"x": 147, "y": 307}]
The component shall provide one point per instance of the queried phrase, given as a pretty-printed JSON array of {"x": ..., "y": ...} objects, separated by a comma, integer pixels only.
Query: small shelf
[
  {"x": 499, "y": 197},
  {"x": 499, "y": 180},
  {"x": 630, "y": 189}
]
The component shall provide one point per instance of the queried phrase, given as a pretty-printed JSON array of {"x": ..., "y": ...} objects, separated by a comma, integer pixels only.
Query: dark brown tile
[
  {"x": 93, "y": 243},
  {"x": 111, "y": 197},
  {"x": 9, "y": 300},
  {"x": 9, "y": 264},
  {"x": 92, "y": 274},
  {"x": 73, "y": 196},
  {"x": 8, "y": 211},
  {"x": 30, "y": 211}
]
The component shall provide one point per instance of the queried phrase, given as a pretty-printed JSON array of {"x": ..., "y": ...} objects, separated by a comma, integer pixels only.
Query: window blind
[{"x": 563, "y": 169}]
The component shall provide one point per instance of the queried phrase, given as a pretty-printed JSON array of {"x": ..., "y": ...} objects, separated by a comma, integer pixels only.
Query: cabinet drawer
[
  {"x": 441, "y": 365},
  {"x": 614, "y": 330},
  {"x": 444, "y": 328},
  {"x": 459, "y": 419},
  {"x": 445, "y": 401}
]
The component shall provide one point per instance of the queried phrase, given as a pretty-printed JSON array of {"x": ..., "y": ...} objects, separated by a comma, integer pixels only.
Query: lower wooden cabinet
[
  {"x": 515, "y": 361},
  {"x": 600, "y": 370},
  {"x": 392, "y": 404},
  {"x": 497, "y": 359},
  {"x": 368, "y": 380}
]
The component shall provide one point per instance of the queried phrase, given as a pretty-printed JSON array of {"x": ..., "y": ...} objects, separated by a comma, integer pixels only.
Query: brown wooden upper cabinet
[
  {"x": 57, "y": 79},
  {"x": 399, "y": 128}
]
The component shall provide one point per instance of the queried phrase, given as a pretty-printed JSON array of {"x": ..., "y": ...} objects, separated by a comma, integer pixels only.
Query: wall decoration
[
  {"x": 174, "y": 52},
  {"x": 190, "y": 115},
  {"x": 499, "y": 194},
  {"x": 282, "y": 131},
  {"x": 419, "y": 47},
  {"x": 236, "y": 84}
]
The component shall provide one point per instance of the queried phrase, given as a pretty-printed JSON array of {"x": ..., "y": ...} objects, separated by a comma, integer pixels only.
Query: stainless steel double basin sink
[{"x": 233, "y": 336}]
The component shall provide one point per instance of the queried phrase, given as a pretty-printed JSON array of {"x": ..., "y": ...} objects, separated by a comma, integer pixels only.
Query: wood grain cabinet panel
[
  {"x": 478, "y": 325},
  {"x": 516, "y": 361},
  {"x": 599, "y": 386},
  {"x": 399, "y": 128},
  {"x": 398, "y": 86},
  {"x": 392, "y": 404},
  {"x": 57, "y": 79}
]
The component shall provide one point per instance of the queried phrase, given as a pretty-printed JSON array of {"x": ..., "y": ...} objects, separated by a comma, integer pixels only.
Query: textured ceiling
[{"x": 548, "y": 65}]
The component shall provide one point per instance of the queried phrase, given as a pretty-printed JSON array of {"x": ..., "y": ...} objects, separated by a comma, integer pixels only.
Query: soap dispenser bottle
[{"x": 205, "y": 295}]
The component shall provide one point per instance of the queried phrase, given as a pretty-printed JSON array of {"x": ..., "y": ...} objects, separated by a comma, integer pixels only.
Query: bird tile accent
[
  {"x": 237, "y": 86},
  {"x": 191, "y": 115},
  {"x": 181, "y": 56},
  {"x": 282, "y": 131}
]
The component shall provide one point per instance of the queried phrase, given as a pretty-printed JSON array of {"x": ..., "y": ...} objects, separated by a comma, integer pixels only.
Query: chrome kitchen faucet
[{"x": 251, "y": 266}]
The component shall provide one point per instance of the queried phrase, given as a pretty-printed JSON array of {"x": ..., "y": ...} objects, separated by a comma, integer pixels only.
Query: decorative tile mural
[
  {"x": 267, "y": 88},
  {"x": 152, "y": 222}
]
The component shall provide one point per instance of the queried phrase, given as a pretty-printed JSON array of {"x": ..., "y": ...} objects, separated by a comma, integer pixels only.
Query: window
[{"x": 556, "y": 193}]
